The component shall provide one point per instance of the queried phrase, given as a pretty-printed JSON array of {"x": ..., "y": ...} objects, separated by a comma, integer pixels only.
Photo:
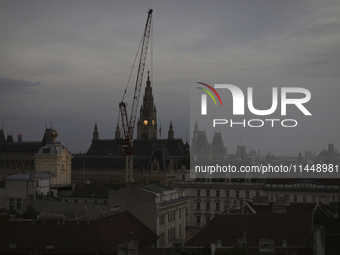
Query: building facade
[{"x": 161, "y": 208}]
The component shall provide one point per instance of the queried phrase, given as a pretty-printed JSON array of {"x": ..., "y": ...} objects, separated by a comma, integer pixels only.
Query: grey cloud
[{"x": 16, "y": 86}]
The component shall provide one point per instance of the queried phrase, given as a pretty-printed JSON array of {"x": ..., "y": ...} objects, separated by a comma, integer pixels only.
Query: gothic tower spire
[
  {"x": 171, "y": 131},
  {"x": 117, "y": 133},
  {"x": 95, "y": 133},
  {"x": 147, "y": 122}
]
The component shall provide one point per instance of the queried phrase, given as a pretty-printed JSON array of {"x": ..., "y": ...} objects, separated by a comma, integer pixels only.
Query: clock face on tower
[{"x": 145, "y": 122}]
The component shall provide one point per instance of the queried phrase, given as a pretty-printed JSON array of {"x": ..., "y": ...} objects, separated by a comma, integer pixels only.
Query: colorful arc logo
[
  {"x": 208, "y": 92},
  {"x": 204, "y": 97}
]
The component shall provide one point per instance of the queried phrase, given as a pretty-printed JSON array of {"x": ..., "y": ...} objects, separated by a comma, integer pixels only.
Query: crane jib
[{"x": 128, "y": 126}]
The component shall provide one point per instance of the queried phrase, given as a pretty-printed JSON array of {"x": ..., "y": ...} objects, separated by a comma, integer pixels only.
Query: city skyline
[{"x": 68, "y": 63}]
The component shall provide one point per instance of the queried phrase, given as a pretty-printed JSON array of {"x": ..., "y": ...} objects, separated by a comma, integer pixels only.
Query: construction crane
[{"x": 129, "y": 125}]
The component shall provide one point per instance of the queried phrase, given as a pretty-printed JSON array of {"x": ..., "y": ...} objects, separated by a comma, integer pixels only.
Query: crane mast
[{"x": 128, "y": 126}]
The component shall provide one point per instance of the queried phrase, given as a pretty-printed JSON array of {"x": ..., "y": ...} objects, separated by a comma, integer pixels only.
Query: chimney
[
  {"x": 213, "y": 248},
  {"x": 331, "y": 148},
  {"x": 19, "y": 137},
  {"x": 336, "y": 211}
]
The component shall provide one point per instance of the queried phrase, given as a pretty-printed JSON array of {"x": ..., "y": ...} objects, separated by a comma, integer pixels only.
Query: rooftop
[
  {"x": 27, "y": 176},
  {"x": 157, "y": 188},
  {"x": 100, "y": 236},
  {"x": 230, "y": 228}
]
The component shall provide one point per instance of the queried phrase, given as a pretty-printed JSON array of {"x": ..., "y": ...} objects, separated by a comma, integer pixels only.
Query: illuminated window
[{"x": 50, "y": 246}]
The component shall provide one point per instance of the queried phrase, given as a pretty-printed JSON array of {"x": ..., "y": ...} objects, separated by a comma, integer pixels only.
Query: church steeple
[
  {"x": 171, "y": 131},
  {"x": 117, "y": 133},
  {"x": 147, "y": 122},
  {"x": 148, "y": 83},
  {"x": 95, "y": 133}
]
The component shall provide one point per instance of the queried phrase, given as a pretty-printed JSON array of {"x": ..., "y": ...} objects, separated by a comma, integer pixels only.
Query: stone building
[
  {"x": 161, "y": 208},
  {"x": 154, "y": 160},
  {"x": 54, "y": 158},
  {"x": 19, "y": 156}
]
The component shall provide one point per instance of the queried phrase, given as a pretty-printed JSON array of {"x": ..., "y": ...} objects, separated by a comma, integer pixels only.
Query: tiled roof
[
  {"x": 89, "y": 191},
  {"x": 141, "y": 147},
  {"x": 157, "y": 188},
  {"x": 22, "y": 148},
  {"x": 327, "y": 216},
  {"x": 50, "y": 237},
  {"x": 291, "y": 208},
  {"x": 295, "y": 228},
  {"x": 157, "y": 251},
  {"x": 125, "y": 227},
  {"x": 77, "y": 237},
  {"x": 26, "y": 176},
  {"x": 333, "y": 181}
]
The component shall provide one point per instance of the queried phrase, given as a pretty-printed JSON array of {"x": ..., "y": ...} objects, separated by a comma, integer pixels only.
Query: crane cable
[
  {"x": 133, "y": 66},
  {"x": 151, "y": 52}
]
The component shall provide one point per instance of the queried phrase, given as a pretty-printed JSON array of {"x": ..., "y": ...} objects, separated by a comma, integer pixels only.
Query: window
[
  {"x": 295, "y": 198},
  {"x": 208, "y": 193},
  {"x": 247, "y": 194},
  {"x": 313, "y": 198},
  {"x": 50, "y": 246},
  {"x": 29, "y": 246},
  {"x": 237, "y": 194},
  {"x": 161, "y": 238},
  {"x": 207, "y": 219},
  {"x": 18, "y": 203},
  {"x": 100, "y": 246},
  {"x": 67, "y": 246},
  {"x": 162, "y": 219},
  {"x": 217, "y": 206},
  {"x": 304, "y": 198},
  {"x": 180, "y": 230},
  {"x": 257, "y": 193},
  {"x": 198, "y": 220},
  {"x": 180, "y": 213},
  {"x": 271, "y": 197},
  {"x": 171, "y": 234},
  {"x": 227, "y": 193},
  {"x": 207, "y": 206},
  {"x": 217, "y": 193},
  {"x": 198, "y": 206},
  {"x": 11, "y": 203},
  {"x": 174, "y": 215},
  {"x": 183, "y": 177},
  {"x": 198, "y": 193},
  {"x": 12, "y": 246}
]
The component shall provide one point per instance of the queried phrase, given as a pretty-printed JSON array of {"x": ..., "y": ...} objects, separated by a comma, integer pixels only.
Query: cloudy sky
[{"x": 68, "y": 62}]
